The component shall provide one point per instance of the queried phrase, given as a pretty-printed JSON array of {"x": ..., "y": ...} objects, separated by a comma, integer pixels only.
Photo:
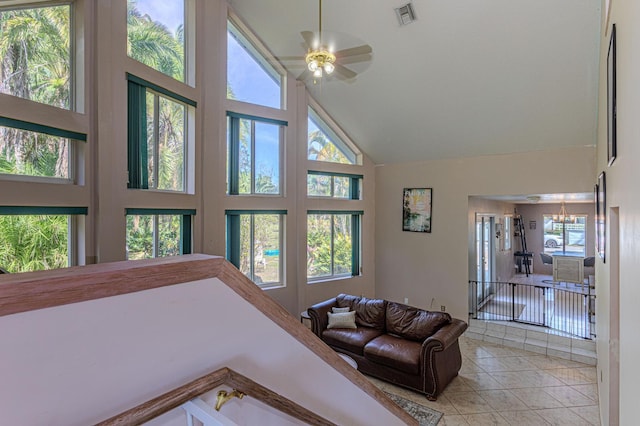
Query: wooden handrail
[
  {"x": 224, "y": 376},
  {"x": 45, "y": 289}
]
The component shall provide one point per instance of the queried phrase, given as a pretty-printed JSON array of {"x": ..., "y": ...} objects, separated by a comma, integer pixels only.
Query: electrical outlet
[
  {"x": 406, "y": 300},
  {"x": 443, "y": 308}
]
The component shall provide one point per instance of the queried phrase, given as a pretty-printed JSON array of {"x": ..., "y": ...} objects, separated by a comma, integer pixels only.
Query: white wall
[
  {"x": 622, "y": 193},
  {"x": 434, "y": 266}
]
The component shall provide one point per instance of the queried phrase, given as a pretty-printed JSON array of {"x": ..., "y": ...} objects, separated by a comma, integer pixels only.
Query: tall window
[
  {"x": 255, "y": 151},
  {"x": 507, "y": 232},
  {"x": 254, "y": 244},
  {"x": 156, "y": 35},
  {"x": 35, "y": 58},
  {"x": 333, "y": 244},
  {"x": 38, "y": 238},
  {"x": 250, "y": 78},
  {"x": 45, "y": 152},
  {"x": 324, "y": 145},
  {"x": 333, "y": 185},
  {"x": 564, "y": 235},
  {"x": 158, "y": 233},
  {"x": 158, "y": 137}
]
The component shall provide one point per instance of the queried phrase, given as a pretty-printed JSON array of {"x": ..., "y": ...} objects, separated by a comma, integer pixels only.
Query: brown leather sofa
[{"x": 400, "y": 344}]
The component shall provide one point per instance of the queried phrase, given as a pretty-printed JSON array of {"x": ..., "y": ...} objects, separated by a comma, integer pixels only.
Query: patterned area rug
[{"x": 424, "y": 415}]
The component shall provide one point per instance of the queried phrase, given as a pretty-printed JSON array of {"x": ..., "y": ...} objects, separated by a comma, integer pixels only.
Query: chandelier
[
  {"x": 563, "y": 215},
  {"x": 320, "y": 60}
]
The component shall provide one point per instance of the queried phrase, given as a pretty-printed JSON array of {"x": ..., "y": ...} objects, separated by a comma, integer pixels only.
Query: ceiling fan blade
[
  {"x": 309, "y": 39},
  {"x": 355, "y": 59},
  {"x": 344, "y": 72},
  {"x": 353, "y": 51},
  {"x": 289, "y": 58}
]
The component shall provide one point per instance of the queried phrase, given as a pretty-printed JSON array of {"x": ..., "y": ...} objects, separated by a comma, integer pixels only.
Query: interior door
[{"x": 485, "y": 255}]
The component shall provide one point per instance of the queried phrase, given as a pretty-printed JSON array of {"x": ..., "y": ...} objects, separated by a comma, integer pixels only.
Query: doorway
[{"x": 485, "y": 255}]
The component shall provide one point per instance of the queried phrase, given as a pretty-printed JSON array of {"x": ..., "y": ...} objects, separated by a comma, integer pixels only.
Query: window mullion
[
  {"x": 253, "y": 157},
  {"x": 233, "y": 239},
  {"x": 185, "y": 234},
  {"x": 234, "y": 156},
  {"x": 155, "y": 219},
  {"x": 252, "y": 253},
  {"x": 333, "y": 235},
  {"x": 156, "y": 138},
  {"x": 355, "y": 245}
]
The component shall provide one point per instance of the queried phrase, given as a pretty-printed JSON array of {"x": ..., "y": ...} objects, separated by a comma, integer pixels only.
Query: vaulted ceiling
[{"x": 467, "y": 78}]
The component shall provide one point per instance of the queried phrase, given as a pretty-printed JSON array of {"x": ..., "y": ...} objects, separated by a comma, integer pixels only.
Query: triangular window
[
  {"x": 250, "y": 78},
  {"x": 323, "y": 144}
]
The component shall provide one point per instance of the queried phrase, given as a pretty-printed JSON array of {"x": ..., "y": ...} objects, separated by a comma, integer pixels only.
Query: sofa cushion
[
  {"x": 394, "y": 352},
  {"x": 342, "y": 320},
  {"x": 350, "y": 340},
  {"x": 369, "y": 312},
  {"x": 413, "y": 323}
]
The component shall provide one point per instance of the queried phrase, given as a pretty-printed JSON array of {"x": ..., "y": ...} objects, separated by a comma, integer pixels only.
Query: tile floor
[{"x": 498, "y": 385}]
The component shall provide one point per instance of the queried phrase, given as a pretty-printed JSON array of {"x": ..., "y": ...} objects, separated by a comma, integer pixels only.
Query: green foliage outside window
[
  {"x": 253, "y": 162},
  {"x": 35, "y": 60},
  {"x": 27, "y": 153},
  {"x": 329, "y": 245},
  {"x": 155, "y": 45},
  {"x": 151, "y": 236},
  {"x": 33, "y": 242},
  {"x": 35, "y": 64}
]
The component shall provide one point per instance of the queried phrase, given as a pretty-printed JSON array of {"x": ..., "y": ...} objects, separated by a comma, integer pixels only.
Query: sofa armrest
[
  {"x": 446, "y": 336},
  {"x": 319, "y": 317}
]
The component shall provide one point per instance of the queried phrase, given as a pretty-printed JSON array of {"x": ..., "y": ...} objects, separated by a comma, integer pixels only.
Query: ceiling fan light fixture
[
  {"x": 329, "y": 67},
  {"x": 320, "y": 59}
]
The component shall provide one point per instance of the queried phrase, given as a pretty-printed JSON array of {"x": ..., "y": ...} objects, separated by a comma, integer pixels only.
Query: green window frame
[
  {"x": 137, "y": 132},
  {"x": 38, "y": 257},
  {"x": 235, "y": 157},
  {"x": 186, "y": 232},
  {"x": 356, "y": 251},
  {"x": 352, "y": 193},
  {"x": 235, "y": 242}
]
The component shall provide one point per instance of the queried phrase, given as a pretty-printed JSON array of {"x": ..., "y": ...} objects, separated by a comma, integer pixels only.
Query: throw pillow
[
  {"x": 342, "y": 320},
  {"x": 340, "y": 310}
]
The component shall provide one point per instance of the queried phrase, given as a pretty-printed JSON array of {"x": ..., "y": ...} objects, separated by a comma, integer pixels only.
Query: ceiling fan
[{"x": 321, "y": 60}]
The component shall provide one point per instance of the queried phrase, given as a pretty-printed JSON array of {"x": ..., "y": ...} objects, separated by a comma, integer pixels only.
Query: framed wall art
[
  {"x": 416, "y": 209},
  {"x": 601, "y": 215},
  {"x": 612, "y": 145}
]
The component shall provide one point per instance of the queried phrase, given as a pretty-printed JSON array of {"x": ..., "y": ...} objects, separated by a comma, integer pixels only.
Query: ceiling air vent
[{"x": 406, "y": 15}]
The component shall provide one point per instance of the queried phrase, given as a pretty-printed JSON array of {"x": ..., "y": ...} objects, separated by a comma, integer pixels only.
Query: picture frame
[
  {"x": 612, "y": 145},
  {"x": 416, "y": 209},
  {"x": 601, "y": 216}
]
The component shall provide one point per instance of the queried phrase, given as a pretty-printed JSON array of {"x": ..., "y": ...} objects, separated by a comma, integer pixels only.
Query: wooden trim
[
  {"x": 224, "y": 376},
  {"x": 44, "y": 289}
]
